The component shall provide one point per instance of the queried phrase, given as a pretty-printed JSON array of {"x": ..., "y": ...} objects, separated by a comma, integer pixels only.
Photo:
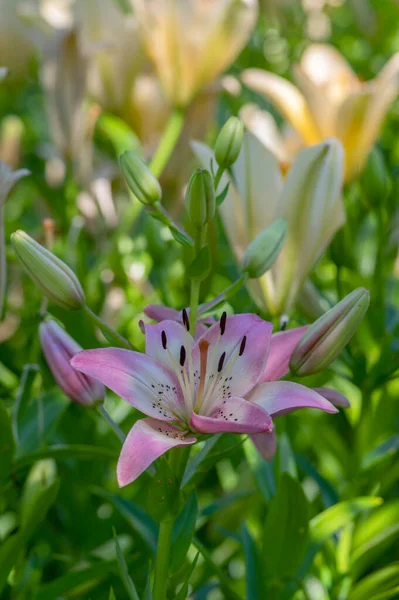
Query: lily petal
[
  {"x": 281, "y": 347},
  {"x": 266, "y": 444},
  {"x": 142, "y": 381},
  {"x": 240, "y": 371},
  {"x": 334, "y": 397},
  {"x": 174, "y": 336},
  {"x": 282, "y": 397},
  {"x": 234, "y": 415},
  {"x": 287, "y": 98},
  {"x": 146, "y": 441}
]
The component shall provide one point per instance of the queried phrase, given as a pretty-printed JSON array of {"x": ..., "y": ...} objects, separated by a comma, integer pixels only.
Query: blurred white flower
[
  {"x": 331, "y": 101},
  {"x": 309, "y": 199}
]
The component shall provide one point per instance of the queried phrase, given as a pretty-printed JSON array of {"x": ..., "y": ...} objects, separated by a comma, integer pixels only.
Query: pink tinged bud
[
  {"x": 326, "y": 337},
  {"x": 56, "y": 280},
  {"x": 58, "y": 348}
]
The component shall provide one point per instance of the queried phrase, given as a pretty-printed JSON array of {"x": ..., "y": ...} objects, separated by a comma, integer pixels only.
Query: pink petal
[
  {"x": 144, "y": 382},
  {"x": 235, "y": 415},
  {"x": 281, "y": 397},
  {"x": 334, "y": 397},
  {"x": 158, "y": 312},
  {"x": 146, "y": 441},
  {"x": 241, "y": 372},
  {"x": 281, "y": 348},
  {"x": 266, "y": 444},
  {"x": 175, "y": 335}
]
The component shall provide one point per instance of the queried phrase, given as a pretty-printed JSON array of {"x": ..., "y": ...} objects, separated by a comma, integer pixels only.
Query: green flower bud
[
  {"x": 200, "y": 197},
  {"x": 57, "y": 281},
  {"x": 263, "y": 251},
  {"x": 325, "y": 338},
  {"x": 229, "y": 142},
  {"x": 140, "y": 181},
  {"x": 375, "y": 178}
]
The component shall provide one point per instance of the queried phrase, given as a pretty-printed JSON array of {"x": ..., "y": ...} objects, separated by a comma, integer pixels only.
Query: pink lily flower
[{"x": 188, "y": 387}]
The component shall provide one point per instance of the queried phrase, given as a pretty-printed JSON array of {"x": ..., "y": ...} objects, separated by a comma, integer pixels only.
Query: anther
[
  {"x": 242, "y": 347},
  {"x": 221, "y": 361},
  {"x": 186, "y": 321},
  {"x": 164, "y": 340},
  {"x": 182, "y": 355},
  {"x": 223, "y": 320}
]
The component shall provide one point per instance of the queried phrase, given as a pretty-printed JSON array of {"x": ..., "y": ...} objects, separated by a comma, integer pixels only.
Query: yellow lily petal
[{"x": 287, "y": 98}]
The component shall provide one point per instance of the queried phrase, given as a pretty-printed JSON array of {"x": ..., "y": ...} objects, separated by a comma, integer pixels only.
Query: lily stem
[
  {"x": 168, "y": 142},
  {"x": 162, "y": 560},
  {"x": 109, "y": 333},
  {"x": 196, "y": 283},
  {"x": 115, "y": 428}
]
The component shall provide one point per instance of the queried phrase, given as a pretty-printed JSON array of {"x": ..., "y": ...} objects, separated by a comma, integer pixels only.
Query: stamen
[
  {"x": 242, "y": 347},
  {"x": 182, "y": 356},
  {"x": 164, "y": 340},
  {"x": 223, "y": 320},
  {"x": 186, "y": 321},
  {"x": 221, "y": 361}
]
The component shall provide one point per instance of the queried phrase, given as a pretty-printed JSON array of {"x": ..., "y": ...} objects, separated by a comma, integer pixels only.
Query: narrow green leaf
[
  {"x": 111, "y": 595},
  {"x": 374, "y": 535},
  {"x": 183, "y": 531},
  {"x": 377, "y": 583},
  {"x": 36, "y": 504},
  {"x": 254, "y": 577},
  {"x": 201, "y": 265},
  {"x": 180, "y": 237},
  {"x": 65, "y": 452},
  {"x": 10, "y": 552},
  {"x": 287, "y": 527},
  {"x": 127, "y": 581},
  {"x": 23, "y": 395},
  {"x": 334, "y": 518},
  {"x": 72, "y": 582},
  {"x": 220, "y": 198},
  {"x": 287, "y": 458},
  {"x": 382, "y": 452},
  {"x": 199, "y": 458},
  {"x": 138, "y": 519},
  {"x": 7, "y": 444},
  {"x": 182, "y": 594}
]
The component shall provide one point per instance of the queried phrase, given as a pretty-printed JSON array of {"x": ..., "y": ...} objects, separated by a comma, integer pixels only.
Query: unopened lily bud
[
  {"x": 375, "y": 178},
  {"x": 325, "y": 338},
  {"x": 200, "y": 196},
  {"x": 57, "y": 281},
  {"x": 263, "y": 251},
  {"x": 229, "y": 142},
  {"x": 58, "y": 348},
  {"x": 141, "y": 182}
]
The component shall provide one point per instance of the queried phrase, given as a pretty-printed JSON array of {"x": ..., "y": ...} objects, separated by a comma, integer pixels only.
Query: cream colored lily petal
[
  {"x": 259, "y": 182},
  {"x": 263, "y": 126},
  {"x": 287, "y": 98},
  {"x": 389, "y": 70},
  {"x": 312, "y": 205},
  {"x": 322, "y": 108},
  {"x": 191, "y": 42},
  {"x": 328, "y": 69}
]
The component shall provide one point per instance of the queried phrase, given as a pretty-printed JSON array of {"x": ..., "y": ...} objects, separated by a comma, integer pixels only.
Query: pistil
[{"x": 203, "y": 348}]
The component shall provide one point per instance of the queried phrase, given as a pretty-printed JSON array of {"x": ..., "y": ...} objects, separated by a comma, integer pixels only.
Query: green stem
[
  {"x": 196, "y": 283},
  {"x": 115, "y": 428},
  {"x": 168, "y": 142},
  {"x": 109, "y": 333},
  {"x": 162, "y": 560},
  {"x": 227, "y": 293}
]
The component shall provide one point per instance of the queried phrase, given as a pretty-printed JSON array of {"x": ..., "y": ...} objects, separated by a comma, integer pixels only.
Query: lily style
[
  {"x": 219, "y": 383},
  {"x": 329, "y": 100}
]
